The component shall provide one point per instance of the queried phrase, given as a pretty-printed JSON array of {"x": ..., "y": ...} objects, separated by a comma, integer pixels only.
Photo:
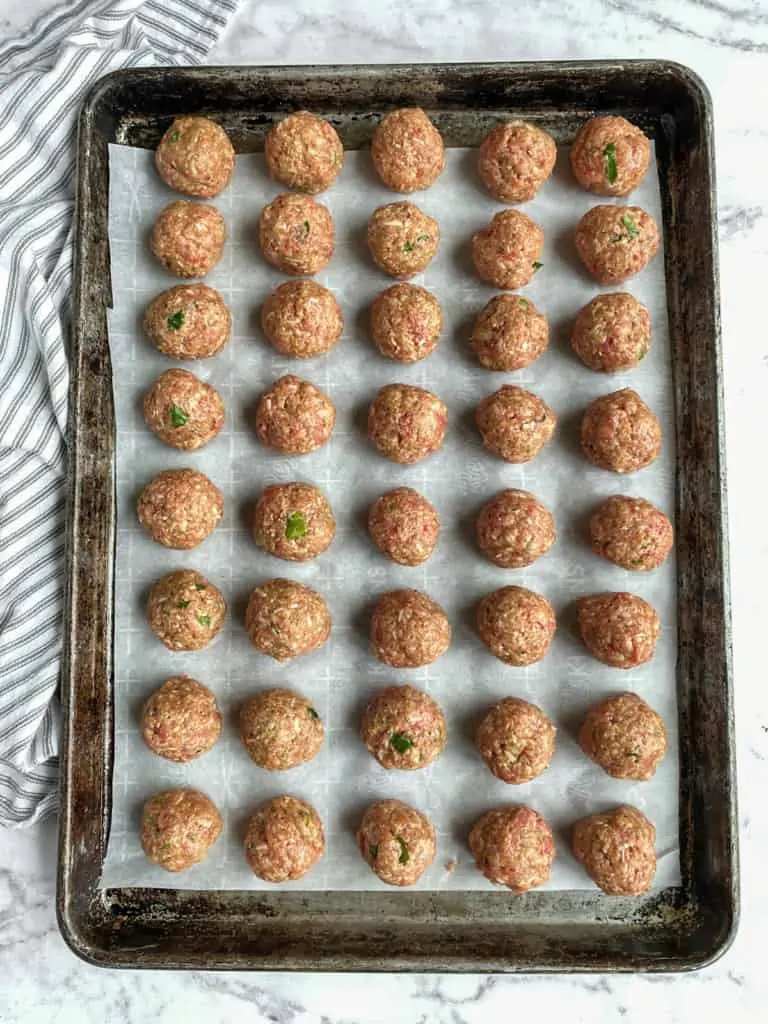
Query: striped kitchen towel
[{"x": 43, "y": 79}]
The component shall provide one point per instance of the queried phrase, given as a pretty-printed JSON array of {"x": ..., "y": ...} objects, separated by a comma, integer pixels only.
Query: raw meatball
[
  {"x": 619, "y": 432},
  {"x": 515, "y": 160},
  {"x": 195, "y": 157},
  {"x": 188, "y": 238},
  {"x": 190, "y": 321},
  {"x": 404, "y": 525},
  {"x": 610, "y": 156},
  {"x": 304, "y": 152},
  {"x": 178, "y": 828},
  {"x": 293, "y": 521},
  {"x": 406, "y": 321},
  {"x": 403, "y": 727},
  {"x": 509, "y": 333},
  {"x": 407, "y": 150},
  {"x": 181, "y": 720},
  {"x": 184, "y": 411},
  {"x": 285, "y": 619},
  {"x": 402, "y": 239},
  {"x": 295, "y": 417},
  {"x": 185, "y": 611},
  {"x": 397, "y": 842},
  {"x": 302, "y": 319},
  {"x": 617, "y": 850},
  {"x": 612, "y": 333},
  {"x": 616, "y": 242},
  {"x": 514, "y": 423},
  {"x": 409, "y": 629},
  {"x": 619, "y": 629},
  {"x": 296, "y": 234},
  {"x": 514, "y": 529},
  {"x": 179, "y": 508},
  {"x": 280, "y": 729},
  {"x": 284, "y": 839},
  {"x": 631, "y": 532},
  {"x": 506, "y": 252},
  {"x": 513, "y": 846},
  {"x": 406, "y": 423},
  {"x": 625, "y": 736},
  {"x": 516, "y": 740},
  {"x": 516, "y": 625}
]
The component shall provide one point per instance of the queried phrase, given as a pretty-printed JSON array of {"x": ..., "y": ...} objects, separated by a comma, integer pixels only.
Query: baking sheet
[{"x": 342, "y": 676}]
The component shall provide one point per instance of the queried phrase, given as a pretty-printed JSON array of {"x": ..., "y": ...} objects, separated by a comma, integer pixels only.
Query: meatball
[
  {"x": 294, "y": 522},
  {"x": 516, "y": 625},
  {"x": 188, "y": 238},
  {"x": 506, "y": 252},
  {"x": 302, "y": 319},
  {"x": 296, "y": 234},
  {"x": 178, "y": 828},
  {"x": 619, "y": 432},
  {"x": 404, "y": 526},
  {"x": 403, "y": 240},
  {"x": 185, "y": 610},
  {"x": 403, "y": 727},
  {"x": 397, "y": 842},
  {"x": 409, "y": 629},
  {"x": 406, "y": 321},
  {"x": 184, "y": 411},
  {"x": 295, "y": 417},
  {"x": 195, "y": 157},
  {"x": 625, "y": 736},
  {"x": 190, "y": 321},
  {"x": 509, "y": 333},
  {"x": 179, "y": 508},
  {"x": 612, "y": 333},
  {"x": 284, "y": 839},
  {"x": 515, "y": 160},
  {"x": 407, "y": 150},
  {"x": 285, "y": 619},
  {"x": 631, "y": 532},
  {"x": 616, "y": 242},
  {"x": 514, "y": 423},
  {"x": 280, "y": 729},
  {"x": 181, "y": 720},
  {"x": 618, "y": 850},
  {"x": 513, "y": 846},
  {"x": 610, "y": 156},
  {"x": 514, "y": 529},
  {"x": 304, "y": 152},
  {"x": 407, "y": 423},
  {"x": 516, "y": 740},
  {"x": 619, "y": 629}
]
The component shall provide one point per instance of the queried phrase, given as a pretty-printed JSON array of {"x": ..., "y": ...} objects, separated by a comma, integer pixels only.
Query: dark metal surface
[{"x": 680, "y": 928}]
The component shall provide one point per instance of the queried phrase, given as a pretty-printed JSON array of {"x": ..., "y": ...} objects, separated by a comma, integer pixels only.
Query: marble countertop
[{"x": 726, "y": 41}]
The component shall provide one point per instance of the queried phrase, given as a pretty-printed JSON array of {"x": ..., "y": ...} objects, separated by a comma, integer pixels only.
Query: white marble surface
[{"x": 726, "y": 41}]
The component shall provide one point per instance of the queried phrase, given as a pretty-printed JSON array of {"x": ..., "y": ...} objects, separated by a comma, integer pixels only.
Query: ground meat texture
[
  {"x": 294, "y": 522},
  {"x": 284, "y": 839},
  {"x": 182, "y": 410},
  {"x": 296, "y": 234},
  {"x": 507, "y": 251},
  {"x": 179, "y": 508},
  {"x": 406, "y": 322},
  {"x": 409, "y": 629},
  {"x": 516, "y": 625},
  {"x": 514, "y": 529},
  {"x": 513, "y": 846},
  {"x": 625, "y": 736},
  {"x": 188, "y": 238},
  {"x": 515, "y": 160},
  {"x": 616, "y": 242},
  {"x": 397, "y": 842},
  {"x": 178, "y": 828},
  {"x": 285, "y": 619},
  {"x": 631, "y": 532},
  {"x": 618, "y": 850},
  {"x": 294, "y": 417},
  {"x": 407, "y": 423},
  {"x": 619, "y": 432},
  {"x": 281, "y": 729},
  {"x": 195, "y": 157},
  {"x": 402, "y": 240},
  {"x": 516, "y": 740},
  {"x": 403, "y": 727},
  {"x": 304, "y": 152},
  {"x": 407, "y": 150},
  {"x": 514, "y": 423},
  {"x": 181, "y": 720},
  {"x": 619, "y": 629},
  {"x": 509, "y": 333},
  {"x": 612, "y": 333},
  {"x": 302, "y": 319},
  {"x": 190, "y": 321},
  {"x": 404, "y": 526},
  {"x": 185, "y": 610},
  {"x": 610, "y": 156}
]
